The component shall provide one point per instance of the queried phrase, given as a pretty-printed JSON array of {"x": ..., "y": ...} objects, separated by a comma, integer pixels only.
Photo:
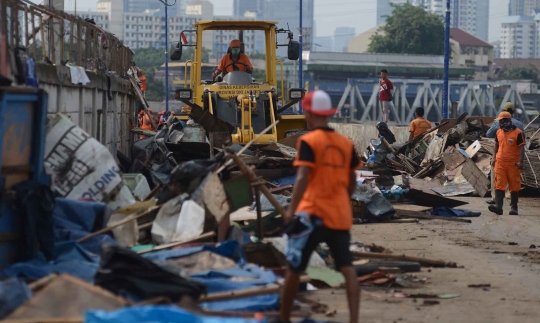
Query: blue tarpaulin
[
  {"x": 13, "y": 292},
  {"x": 76, "y": 219},
  {"x": 69, "y": 257},
  {"x": 220, "y": 281},
  {"x": 157, "y": 314},
  {"x": 284, "y": 181},
  {"x": 449, "y": 212}
]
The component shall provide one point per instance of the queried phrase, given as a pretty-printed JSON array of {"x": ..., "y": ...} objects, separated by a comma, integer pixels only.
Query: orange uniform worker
[
  {"x": 508, "y": 163},
  {"x": 234, "y": 61},
  {"x": 142, "y": 78},
  {"x": 146, "y": 123},
  {"x": 419, "y": 125},
  {"x": 326, "y": 164}
]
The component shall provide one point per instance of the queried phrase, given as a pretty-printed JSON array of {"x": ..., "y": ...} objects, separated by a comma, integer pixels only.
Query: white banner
[{"x": 80, "y": 166}]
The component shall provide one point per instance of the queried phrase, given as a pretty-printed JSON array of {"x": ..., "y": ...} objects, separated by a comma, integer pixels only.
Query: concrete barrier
[
  {"x": 362, "y": 134},
  {"x": 103, "y": 108}
]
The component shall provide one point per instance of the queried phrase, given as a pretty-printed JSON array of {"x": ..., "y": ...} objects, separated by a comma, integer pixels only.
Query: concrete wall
[
  {"x": 362, "y": 134},
  {"x": 89, "y": 106}
]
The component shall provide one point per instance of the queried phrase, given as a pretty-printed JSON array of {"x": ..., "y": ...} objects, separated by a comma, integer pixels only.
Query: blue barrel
[{"x": 23, "y": 115}]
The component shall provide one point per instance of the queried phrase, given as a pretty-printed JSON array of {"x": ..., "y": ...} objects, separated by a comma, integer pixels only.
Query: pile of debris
[
  {"x": 452, "y": 159},
  {"x": 191, "y": 222}
]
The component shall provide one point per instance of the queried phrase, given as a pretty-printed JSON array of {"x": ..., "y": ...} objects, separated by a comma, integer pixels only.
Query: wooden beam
[{"x": 423, "y": 261}]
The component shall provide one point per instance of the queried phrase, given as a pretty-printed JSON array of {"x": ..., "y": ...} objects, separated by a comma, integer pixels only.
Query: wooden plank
[
  {"x": 476, "y": 178},
  {"x": 473, "y": 149},
  {"x": 66, "y": 297},
  {"x": 452, "y": 158},
  {"x": 220, "y": 296},
  {"x": 424, "y": 216},
  {"x": 410, "y": 207},
  {"x": 203, "y": 236},
  {"x": 423, "y": 261}
]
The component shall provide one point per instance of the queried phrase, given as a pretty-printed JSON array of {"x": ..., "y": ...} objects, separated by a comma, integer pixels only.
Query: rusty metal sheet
[
  {"x": 423, "y": 193},
  {"x": 454, "y": 190},
  {"x": 476, "y": 178}
]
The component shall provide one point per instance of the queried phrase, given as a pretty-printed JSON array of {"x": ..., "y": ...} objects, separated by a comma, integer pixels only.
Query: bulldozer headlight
[
  {"x": 184, "y": 94},
  {"x": 296, "y": 94}
]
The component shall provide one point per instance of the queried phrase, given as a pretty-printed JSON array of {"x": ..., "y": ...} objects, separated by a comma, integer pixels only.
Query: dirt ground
[{"x": 481, "y": 248}]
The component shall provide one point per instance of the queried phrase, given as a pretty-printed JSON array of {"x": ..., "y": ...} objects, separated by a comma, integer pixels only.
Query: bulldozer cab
[{"x": 241, "y": 103}]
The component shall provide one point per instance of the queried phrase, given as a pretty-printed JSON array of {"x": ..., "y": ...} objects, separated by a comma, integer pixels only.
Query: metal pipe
[{"x": 446, "y": 60}]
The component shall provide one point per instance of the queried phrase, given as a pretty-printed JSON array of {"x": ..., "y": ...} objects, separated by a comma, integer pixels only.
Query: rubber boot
[
  {"x": 514, "y": 197},
  {"x": 498, "y": 207}
]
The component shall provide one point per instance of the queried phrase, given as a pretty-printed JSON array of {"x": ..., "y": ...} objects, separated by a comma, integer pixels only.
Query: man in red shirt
[
  {"x": 385, "y": 95},
  {"x": 326, "y": 164}
]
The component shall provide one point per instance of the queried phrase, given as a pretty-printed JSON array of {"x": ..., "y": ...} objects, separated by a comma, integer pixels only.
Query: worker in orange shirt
[
  {"x": 233, "y": 61},
  {"x": 142, "y": 78},
  {"x": 146, "y": 123},
  {"x": 325, "y": 180},
  {"x": 419, "y": 125},
  {"x": 508, "y": 163}
]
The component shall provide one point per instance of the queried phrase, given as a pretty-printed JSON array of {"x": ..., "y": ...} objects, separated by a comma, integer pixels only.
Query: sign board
[{"x": 80, "y": 166}]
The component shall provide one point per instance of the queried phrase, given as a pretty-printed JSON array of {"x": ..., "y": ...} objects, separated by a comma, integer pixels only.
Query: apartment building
[
  {"x": 519, "y": 36},
  {"x": 472, "y": 52},
  {"x": 523, "y": 7}
]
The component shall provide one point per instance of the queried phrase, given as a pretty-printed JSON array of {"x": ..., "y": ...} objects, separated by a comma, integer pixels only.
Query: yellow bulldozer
[{"x": 237, "y": 103}]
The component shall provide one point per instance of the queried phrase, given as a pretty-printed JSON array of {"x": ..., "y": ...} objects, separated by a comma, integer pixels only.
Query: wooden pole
[
  {"x": 175, "y": 244},
  {"x": 530, "y": 123},
  {"x": 108, "y": 229},
  {"x": 262, "y": 188},
  {"x": 423, "y": 261},
  {"x": 220, "y": 296}
]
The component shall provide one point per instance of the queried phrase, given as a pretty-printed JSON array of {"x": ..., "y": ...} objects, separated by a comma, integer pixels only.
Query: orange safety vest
[
  {"x": 146, "y": 124},
  {"x": 143, "y": 83}
]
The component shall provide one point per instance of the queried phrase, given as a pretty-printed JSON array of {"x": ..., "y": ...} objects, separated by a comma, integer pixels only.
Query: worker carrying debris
[
  {"x": 492, "y": 133},
  {"x": 320, "y": 209},
  {"x": 419, "y": 125},
  {"x": 508, "y": 163},
  {"x": 234, "y": 61}
]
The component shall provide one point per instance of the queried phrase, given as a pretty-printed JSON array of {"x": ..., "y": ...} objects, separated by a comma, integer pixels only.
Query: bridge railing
[{"x": 55, "y": 37}]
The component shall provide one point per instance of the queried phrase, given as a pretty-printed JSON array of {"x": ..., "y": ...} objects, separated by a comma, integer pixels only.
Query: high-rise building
[
  {"x": 240, "y": 7},
  {"x": 523, "y": 7},
  {"x": 324, "y": 44},
  {"x": 342, "y": 35},
  {"x": 519, "y": 36},
  {"x": 143, "y": 5},
  {"x": 384, "y": 8},
  {"x": 287, "y": 12}
]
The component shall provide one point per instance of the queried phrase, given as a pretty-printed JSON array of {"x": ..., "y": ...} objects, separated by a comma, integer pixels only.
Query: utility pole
[
  {"x": 446, "y": 60},
  {"x": 167, "y": 53},
  {"x": 300, "y": 71}
]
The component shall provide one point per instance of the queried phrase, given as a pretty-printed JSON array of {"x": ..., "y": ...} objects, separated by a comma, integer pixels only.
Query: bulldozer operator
[{"x": 233, "y": 61}]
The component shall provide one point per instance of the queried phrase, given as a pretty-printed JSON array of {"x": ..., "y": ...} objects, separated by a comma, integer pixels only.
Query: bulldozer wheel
[{"x": 294, "y": 132}]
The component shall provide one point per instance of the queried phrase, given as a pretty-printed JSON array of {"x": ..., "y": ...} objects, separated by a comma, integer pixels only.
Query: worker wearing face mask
[{"x": 234, "y": 61}]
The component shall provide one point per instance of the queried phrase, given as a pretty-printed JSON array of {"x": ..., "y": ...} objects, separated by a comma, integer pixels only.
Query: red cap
[{"x": 319, "y": 103}]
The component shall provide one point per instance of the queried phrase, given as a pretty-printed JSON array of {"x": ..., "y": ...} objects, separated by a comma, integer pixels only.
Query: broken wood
[
  {"x": 262, "y": 188},
  {"x": 203, "y": 236},
  {"x": 530, "y": 123},
  {"x": 153, "y": 192},
  {"x": 110, "y": 228},
  {"x": 298, "y": 314},
  {"x": 424, "y": 216},
  {"x": 476, "y": 178},
  {"x": 248, "y": 145},
  {"x": 422, "y": 261},
  {"x": 220, "y": 296},
  {"x": 40, "y": 283}
]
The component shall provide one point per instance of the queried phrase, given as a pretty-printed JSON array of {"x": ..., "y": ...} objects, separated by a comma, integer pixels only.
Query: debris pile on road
[{"x": 192, "y": 223}]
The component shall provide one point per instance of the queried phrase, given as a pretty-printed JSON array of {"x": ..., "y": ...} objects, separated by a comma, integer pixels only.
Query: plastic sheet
[
  {"x": 69, "y": 258},
  {"x": 13, "y": 292},
  {"x": 449, "y": 212},
  {"x": 157, "y": 314},
  {"x": 76, "y": 219},
  {"x": 377, "y": 206}
]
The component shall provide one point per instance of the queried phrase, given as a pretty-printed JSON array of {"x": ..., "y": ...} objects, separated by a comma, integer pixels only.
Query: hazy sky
[{"x": 330, "y": 14}]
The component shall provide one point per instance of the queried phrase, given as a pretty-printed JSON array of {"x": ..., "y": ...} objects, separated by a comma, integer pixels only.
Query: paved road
[{"x": 482, "y": 248}]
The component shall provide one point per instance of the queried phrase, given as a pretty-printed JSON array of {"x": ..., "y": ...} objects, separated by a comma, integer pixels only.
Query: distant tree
[
  {"x": 155, "y": 89},
  {"x": 410, "y": 30},
  {"x": 519, "y": 73},
  {"x": 257, "y": 55}
]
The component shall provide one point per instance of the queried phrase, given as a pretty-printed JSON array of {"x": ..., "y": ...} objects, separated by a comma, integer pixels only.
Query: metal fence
[{"x": 54, "y": 37}]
